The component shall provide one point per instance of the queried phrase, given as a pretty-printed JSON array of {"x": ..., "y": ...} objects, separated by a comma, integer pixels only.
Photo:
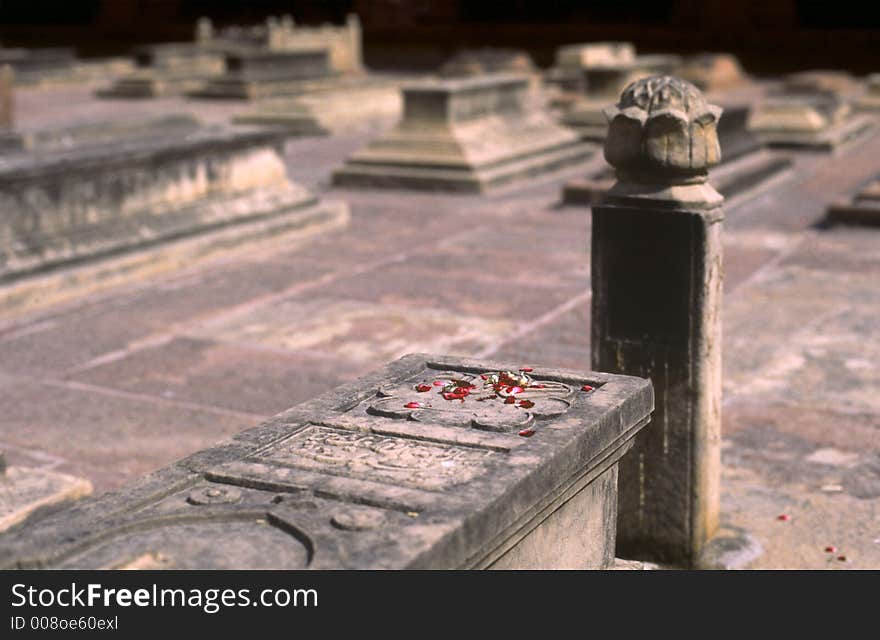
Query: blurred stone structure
[
  {"x": 142, "y": 186},
  {"x": 657, "y": 275},
  {"x": 253, "y": 74},
  {"x": 348, "y": 107},
  {"x": 863, "y": 208},
  {"x": 870, "y": 99},
  {"x": 388, "y": 472},
  {"x": 712, "y": 71},
  {"x": 467, "y": 134}
]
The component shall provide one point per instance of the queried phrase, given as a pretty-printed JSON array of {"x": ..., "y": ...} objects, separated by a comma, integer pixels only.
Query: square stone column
[{"x": 657, "y": 274}]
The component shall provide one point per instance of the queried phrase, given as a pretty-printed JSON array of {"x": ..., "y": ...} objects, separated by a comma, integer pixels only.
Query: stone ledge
[{"x": 27, "y": 493}]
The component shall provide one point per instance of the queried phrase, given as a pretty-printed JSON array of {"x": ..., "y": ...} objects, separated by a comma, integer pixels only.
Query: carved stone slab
[
  {"x": 391, "y": 471},
  {"x": 468, "y": 134}
]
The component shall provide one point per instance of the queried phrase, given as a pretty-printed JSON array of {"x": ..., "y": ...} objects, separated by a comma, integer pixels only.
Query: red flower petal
[
  {"x": 784, "y": 517},
  {"x": 514, "y": 389},
  {"x": 509, "y": 400},
  {"x": 526, "y": 404},
  {"x": 586, "y": 387},
  {"x": 526, "y": 369},
  {"x": 439, "y": 383},
  {"x": 423, "y": 387},
  {"x": 830, "y": 549},
  {"x": 538, "y": 386},
  {"x": 413, "y": 405},
  {"x": 527, "y": 433},
  {"x": 484, "y": 376},
  {"x": 841, "y": 558}
]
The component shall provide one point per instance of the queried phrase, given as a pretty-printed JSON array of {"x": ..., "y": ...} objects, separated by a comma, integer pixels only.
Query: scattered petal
[
  {"x": 538, "y": 386},
  {"x": 422, "y": 388},
  {"x": 509, "y": 400},
  {"x": 830, "y": 549},
  {"x": 514, "y": 390},
  {"x": 586, "y": 387},
  {"x": 842, "y": 558},
  {"x": 526, "y": 404},
  {"x": 413, "y": 405},
  {"x": 484, "y": 376},
  {"x": 439, "y": 383},
  {"x": 526, "y": 369},
  {"x": 784, "y": 517},
  {"x": 527, "y": 433}
]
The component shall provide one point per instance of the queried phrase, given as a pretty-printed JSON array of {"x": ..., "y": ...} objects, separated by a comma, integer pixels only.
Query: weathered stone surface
[
  {"x": 103, "y": 199},
  {"x": 378, "y": 474},
  {"x": 840, "y": 83},
  {"x": 257, "y": 74},
  {"x": 464, "y": 135},
  {"x": 817, "y": 121},
  {"x": 863, "y": 208},
  {"x": 357, "y": 106},
  {"x": 26, "y": 493},
  {"x": 746, "y": 165},
  {"x": 712, "y": 71},
  {"x": 7, "y": 104},
  {"x": 31, "y": 64},
  {"x": 656, "y": 274}
]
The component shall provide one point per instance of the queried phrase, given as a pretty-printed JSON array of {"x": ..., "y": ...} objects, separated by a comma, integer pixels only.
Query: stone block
[
  {"x": 809, "y": 121},
  {"x": 253, "y": 74},
  {"x": 32, "y": 65},
  {"x": 346, "y": 108},
  {"x": 382, "y": 473},
  {"x": 477, "y": 62},
  {"x": 104, "y": 199},
  {"x": 863, "y": 208},
  {"x": 467, "y": 134}
]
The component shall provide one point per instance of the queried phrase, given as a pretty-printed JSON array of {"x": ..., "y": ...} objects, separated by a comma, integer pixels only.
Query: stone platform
[
  {"x": 809, "y": 121},
  {"x": 389, "y": 472},
  {"x": 465, "y": 135},
  {"x": 260, "y": 74},
  {"x": 96, "y": 201}
]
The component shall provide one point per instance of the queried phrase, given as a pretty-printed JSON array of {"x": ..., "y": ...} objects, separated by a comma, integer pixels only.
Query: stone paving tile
[
  {"x": 367, "y": 332},
  {"x": 259, "y": 381},
  {"x": 106, "y": 438}
]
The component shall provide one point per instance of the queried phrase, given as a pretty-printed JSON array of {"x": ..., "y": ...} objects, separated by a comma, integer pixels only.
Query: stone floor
[{"x": 120, "y": 382}]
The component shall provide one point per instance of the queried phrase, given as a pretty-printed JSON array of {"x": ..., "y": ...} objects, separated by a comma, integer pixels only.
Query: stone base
[
  {"x": 734, "y": 179},
  {"x": 863, "y": 209},
  {"x": 586, "y": 117},
  {"x": 828, "y": 139},
  {"x": 464, "y": 179},
  {"x": 27, "y": 493},
  {"x": 328, "y": 112}
]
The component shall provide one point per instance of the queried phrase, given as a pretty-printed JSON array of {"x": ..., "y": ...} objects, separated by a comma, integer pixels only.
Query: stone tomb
[
  {"x": 468, "y": 134},
  {"x": 352, "y": 106},
  {"x": 746, "y": 164},
  {"x": 167, "y": 69},
  {"x": 30, "y": 65},
  {"x": 251, "y": 74},
  {"x": 863, "y": 208},
  {"x": 477, "y": 62},
  {"x": 712, "y": 71},
  {"x": 383, "y": 473},
  {"x": 160, "y": 185},
  {"x": 820, "y": 120}
]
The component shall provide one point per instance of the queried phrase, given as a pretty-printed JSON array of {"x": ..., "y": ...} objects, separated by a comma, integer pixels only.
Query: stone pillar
[
  {"x": 656, "y": 274},
  {"x": 7, "y": 110},
  {"x": 204, "y": 30}
]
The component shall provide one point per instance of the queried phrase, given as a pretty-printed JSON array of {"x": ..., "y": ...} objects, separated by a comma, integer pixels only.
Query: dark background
[{"x": 769, "y": 36}]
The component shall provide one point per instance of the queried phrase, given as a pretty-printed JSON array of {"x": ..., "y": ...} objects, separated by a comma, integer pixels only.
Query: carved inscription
[{"x": 367, "y": 456}]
